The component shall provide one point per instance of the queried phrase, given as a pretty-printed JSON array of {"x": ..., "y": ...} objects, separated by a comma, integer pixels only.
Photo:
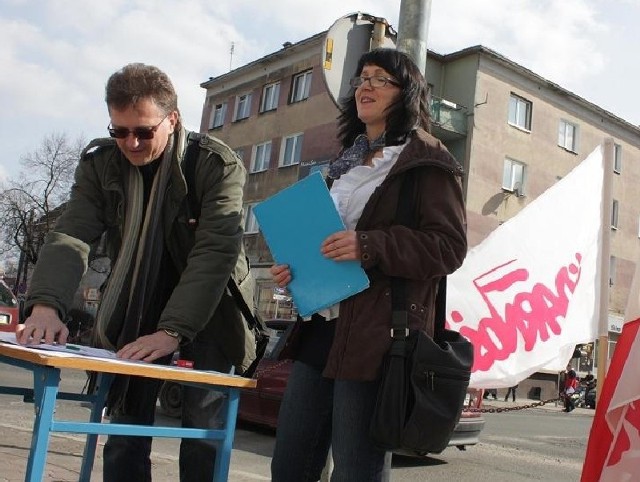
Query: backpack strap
[
  {"x": 189, "y": 170},
  {"x": 252, "y": 320},
  {"x": 193, "y": 215}
]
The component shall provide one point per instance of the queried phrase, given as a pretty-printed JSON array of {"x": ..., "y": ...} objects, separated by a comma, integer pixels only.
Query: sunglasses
[{"x": 141, "y": 133}]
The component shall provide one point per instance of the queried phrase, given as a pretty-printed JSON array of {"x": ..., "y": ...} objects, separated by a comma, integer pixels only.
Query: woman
[{"x": 332, "y": 388}]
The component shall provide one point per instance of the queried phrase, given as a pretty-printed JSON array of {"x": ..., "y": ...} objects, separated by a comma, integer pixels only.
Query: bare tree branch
[{"x": 30, "y": 204}]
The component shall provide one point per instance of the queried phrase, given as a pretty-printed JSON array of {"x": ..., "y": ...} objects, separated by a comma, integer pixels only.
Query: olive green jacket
[{"x": 205, "y": 257}]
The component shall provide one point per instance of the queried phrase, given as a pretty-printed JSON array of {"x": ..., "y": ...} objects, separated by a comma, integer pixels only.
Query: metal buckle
[{"x": 399, "y": 335}]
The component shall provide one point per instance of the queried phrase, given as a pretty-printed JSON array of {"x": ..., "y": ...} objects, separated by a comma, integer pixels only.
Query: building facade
[{"x": 515, "y": 132}]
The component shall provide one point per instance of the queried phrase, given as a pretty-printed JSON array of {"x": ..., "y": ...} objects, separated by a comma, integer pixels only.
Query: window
[
  {"x": 250, "y": 221},
  {"x": 291, "y": 150},
  {"x": 270, "y": 95},
  {"x": 243, "y": 107},
  {"x": 217, "y": 115},
  {"x": 520, "y": 112},
  {"x": 261, "y": 157},
  {"x": 568, "y": 135},
  {"x": 240, "y": 153},
  {"x": 612, "y": 270},
  {"x": 301, "y": 86},
  {"x": 513, "y": 176},
  {"x": 617, "y": 158},
  {"x": 614, "y": 214}
]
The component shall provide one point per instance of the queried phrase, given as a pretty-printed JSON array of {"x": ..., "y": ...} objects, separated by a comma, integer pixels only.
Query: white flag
[{"x": 529, "y": 292}]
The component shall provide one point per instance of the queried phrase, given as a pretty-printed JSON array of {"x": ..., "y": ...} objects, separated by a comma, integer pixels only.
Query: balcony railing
[{"x": 449, "y": 116}]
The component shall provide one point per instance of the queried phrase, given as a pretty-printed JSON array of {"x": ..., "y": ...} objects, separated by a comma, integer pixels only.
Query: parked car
[
  {"x": 9, "y": 309},
  {"x": 261, "y": 405}
]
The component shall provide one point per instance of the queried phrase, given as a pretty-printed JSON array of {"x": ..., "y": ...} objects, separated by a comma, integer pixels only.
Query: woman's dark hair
[
  {"x": 135, "y": 82},
  {"x": 411, "y": 109}
]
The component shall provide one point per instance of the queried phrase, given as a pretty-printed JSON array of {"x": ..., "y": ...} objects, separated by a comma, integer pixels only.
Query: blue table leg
[
  {"x": 98, "y": 403},
  {"x": 223, "y": 452},
  {"x": 46, "y": 380}
]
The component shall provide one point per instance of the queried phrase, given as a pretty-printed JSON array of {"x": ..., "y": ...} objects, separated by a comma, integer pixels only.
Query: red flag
[{"x": 613, "y": 450}]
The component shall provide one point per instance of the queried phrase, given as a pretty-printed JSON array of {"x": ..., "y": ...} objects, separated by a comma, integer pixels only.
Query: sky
[{"x": 56, "y": 55}]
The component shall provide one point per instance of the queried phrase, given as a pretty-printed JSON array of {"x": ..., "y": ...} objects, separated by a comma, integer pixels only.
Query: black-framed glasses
[
  {"x": 142, "y": 133},
  {"x": 376, "y": 81}
]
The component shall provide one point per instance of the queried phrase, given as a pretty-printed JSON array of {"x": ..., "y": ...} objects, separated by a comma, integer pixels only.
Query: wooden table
[{"x": 46, "y": 367}]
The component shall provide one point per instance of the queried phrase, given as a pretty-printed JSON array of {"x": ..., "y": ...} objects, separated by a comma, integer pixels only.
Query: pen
[{"x": 72, "y": 347}]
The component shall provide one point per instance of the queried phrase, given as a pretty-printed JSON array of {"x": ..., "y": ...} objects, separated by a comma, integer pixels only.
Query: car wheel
[{"x": 170, "y": 397}]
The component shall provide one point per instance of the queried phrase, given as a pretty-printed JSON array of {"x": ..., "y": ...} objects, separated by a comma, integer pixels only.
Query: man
[{"x": 167, "y": 286}]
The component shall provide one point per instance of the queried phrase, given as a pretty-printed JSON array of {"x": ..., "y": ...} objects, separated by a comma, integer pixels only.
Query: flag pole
[{"x": 605, "y": 253}]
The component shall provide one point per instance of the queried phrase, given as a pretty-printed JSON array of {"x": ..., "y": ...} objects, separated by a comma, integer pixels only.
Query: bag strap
[
  {"x": 399, "y": 318},
  {"x": 190, "y": 158},
  {"x": 252, "y": 320},
  {"x": 193, "y": 215}
]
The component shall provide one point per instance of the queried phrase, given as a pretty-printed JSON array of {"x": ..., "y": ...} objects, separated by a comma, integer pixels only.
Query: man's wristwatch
[{"x": 173, "y": 334}]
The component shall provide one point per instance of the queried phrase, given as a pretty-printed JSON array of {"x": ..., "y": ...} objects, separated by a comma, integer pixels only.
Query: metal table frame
[{"x": 46, "y": 368}]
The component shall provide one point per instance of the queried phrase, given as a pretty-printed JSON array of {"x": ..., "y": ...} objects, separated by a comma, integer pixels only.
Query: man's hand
[
  {"x": 149, "y": 347},
  {"x": 42, "y": 326}
]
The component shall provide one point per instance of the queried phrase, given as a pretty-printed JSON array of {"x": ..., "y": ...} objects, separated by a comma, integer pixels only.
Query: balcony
[{"x": 448, "y": 120}]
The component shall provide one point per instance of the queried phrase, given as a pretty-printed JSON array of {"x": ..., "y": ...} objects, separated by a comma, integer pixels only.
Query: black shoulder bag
[{"x": 424, "y": 380}]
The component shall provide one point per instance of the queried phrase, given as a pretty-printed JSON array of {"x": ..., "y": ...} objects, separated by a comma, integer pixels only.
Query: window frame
[
  {"x": 214, "y": 115},
  {"x": 270, "y": 98},
  {"x": 243, "y": 100},
  {"x": 515, "y": 122},
  {"x": 613, "y": 270},
  {"x": 615, "y": 215},
  {"x": 298, "y": 140},
  {"x": 562, "y": 135},
  {"x": 617, "y": 158},
  {"x": 251, "y": 225},
  {"x": 305, "y": 78},
  {"x": 265, "y": 160},
  {"x": 508, "y": 172}
]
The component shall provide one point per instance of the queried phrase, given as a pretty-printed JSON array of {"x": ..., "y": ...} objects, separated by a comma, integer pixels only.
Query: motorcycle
[{"x": 578, "y": 397}]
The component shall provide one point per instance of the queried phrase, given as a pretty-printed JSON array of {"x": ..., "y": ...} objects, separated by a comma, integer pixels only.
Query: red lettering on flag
[{"x": 534, "y": 315}]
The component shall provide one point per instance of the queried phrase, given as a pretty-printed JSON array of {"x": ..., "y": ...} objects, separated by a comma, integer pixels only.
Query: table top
[{"x": 123, "y": 367}]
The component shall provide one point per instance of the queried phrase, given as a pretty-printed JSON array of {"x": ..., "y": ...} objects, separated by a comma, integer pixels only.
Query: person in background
[
  {"x": 511, "y": 391},
  {"x": 570, "y": 387},
  {"x": 588, "y": 381},
  {"x": 332, "y": 389},
  {"x": 493, "y": 392},
  {"x": 168, "y": 279}
]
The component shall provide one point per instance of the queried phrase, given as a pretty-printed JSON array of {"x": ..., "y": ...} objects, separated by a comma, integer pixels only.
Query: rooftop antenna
[{"x": 233, "y": 45}]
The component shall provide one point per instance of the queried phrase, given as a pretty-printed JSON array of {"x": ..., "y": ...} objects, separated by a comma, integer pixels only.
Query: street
[{"x": 534, "y": 444}]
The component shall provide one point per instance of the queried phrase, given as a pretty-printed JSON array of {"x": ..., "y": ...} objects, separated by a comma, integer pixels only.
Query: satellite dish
[
  {"x": 517, "y": 189},
  {"x": 346, "y": 40}
]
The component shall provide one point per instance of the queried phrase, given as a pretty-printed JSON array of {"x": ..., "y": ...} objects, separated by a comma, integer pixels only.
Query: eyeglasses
[
  {"x": 377, "y": 81},
  {"x": 142, "y": 133}
]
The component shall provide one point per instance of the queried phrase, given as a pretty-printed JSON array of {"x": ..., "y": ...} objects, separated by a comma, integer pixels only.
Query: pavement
[
  {"x": 64, "y": 458},
  {"x": 64, "y": 455}
]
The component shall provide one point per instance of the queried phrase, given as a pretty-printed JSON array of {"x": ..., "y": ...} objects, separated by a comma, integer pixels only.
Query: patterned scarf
[
  {"x": 121, "y": 317},
  {"x": 355, "y": 155}
]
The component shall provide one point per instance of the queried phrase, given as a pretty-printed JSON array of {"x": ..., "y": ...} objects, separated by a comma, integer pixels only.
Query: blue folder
[{"x": 294, "y": 223}]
